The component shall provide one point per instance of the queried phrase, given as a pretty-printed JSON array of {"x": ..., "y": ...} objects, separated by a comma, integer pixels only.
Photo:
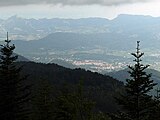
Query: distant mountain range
[
  {"x": 29, "y": 29},
  {"x": 129, "y": 26},
  {"x": 96, "y": 44}
]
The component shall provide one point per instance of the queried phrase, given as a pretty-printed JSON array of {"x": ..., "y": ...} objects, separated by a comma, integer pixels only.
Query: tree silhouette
[
  {"x": 136, "y": 101},
  {"x": 13, "y": 91}
]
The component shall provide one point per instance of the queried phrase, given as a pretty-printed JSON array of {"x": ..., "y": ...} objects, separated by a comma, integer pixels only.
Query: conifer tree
[
  {"x": 14, "y": 94},
  {"x": 136, "y": 101}
]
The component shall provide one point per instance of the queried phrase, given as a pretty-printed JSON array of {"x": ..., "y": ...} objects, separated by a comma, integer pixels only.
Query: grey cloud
[{"x": 68, "y": 2}]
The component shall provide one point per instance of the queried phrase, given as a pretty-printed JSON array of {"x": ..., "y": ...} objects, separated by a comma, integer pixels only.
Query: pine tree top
[{"x": 7, "y": 41}]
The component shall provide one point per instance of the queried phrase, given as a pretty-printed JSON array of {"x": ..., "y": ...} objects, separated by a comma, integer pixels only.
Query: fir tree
[
  {"x": 136, "y": 101},
  {"x": 14, "y": 94}
]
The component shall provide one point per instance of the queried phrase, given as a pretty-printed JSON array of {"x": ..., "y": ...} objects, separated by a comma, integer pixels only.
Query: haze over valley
[{"x": 97, "y": 44}]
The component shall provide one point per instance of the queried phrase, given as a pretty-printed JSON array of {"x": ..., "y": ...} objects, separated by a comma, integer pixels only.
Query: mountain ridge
[{"x": 30, "y": 29}]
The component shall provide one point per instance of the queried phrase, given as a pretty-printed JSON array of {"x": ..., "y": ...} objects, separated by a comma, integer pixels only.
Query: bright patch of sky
[{"x": 74, "y": 9}]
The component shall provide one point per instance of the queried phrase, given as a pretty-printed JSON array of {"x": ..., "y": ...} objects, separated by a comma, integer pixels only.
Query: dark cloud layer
[{"x": 68, "y": 2}]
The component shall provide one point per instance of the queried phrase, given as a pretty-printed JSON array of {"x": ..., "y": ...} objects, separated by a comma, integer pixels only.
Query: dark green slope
[
  {"x": 59, "y": 74},
  {"x": 100, "y": 88}
]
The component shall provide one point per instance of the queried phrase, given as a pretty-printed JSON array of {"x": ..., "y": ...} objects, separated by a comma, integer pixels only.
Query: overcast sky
[{"x": 77, "y": 8}]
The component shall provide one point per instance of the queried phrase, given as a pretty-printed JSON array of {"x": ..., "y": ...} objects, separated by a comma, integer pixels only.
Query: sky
[{"x": 77, "y": 8}]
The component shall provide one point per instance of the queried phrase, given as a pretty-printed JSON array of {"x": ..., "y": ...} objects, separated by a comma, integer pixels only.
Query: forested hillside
[{"x": 98, "y": 87}]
